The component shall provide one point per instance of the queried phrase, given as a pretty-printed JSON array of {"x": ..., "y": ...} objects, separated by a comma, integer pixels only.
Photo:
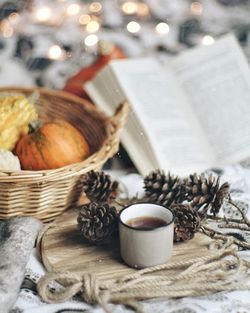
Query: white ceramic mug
[{"x": 140, "y": 247}]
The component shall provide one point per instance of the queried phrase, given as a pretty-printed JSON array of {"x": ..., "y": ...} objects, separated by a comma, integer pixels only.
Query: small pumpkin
[{"x": 55, "y": 144}]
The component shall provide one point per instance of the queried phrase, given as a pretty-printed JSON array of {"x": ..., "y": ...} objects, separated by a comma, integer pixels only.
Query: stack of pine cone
[
  {"x": 98, "y": 220},
  {"x": 190, "y": 199}
]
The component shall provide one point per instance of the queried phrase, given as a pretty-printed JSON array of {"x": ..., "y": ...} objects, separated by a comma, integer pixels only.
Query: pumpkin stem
[{"x": 33, "y": 126}]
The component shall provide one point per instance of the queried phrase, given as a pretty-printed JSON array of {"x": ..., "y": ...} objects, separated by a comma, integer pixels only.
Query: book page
[
  {"x": 158, "y": 102},
  {"x": 108, "y": 98},
  {"x": 217, "y": 81}
]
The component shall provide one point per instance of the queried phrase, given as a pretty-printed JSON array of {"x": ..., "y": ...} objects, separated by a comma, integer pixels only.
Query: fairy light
[
  {"x": 91, "y": 40},
  {"x": 56, "y": 53},
  {"x": 129, "y": 7},
  {"x": 207, "y": 40},
  {"x": 196, "y": 8},
  {"x": 162, "y": 28},
  {"x": 142, "y": 9},
  {"x": 84, "y": 19},
  {"x": 95, "y": 7},
  {"x": 13, "y": 17},
  {"x": 73, "y": 9},
  {"x": 43, "y": 14},
  {"x": 133, "y": 27},
  {"x": 92, "y": 27},
  {"x": 8, "y": 32},
  {"x": 6, "y": 29}
]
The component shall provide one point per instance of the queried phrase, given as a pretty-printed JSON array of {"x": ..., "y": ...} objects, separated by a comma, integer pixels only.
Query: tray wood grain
[{"x": 62, "y": 248}]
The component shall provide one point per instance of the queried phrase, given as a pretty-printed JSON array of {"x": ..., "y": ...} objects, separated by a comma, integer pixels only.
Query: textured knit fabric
[{"x": 17, "y": 238}]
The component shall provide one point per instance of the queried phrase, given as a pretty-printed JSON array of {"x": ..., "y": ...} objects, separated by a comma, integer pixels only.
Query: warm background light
[
  {"x": 43, "y": 14},
  {"x": 55, "y": 53},
  {"x": 129, "y": 7},
  {"x": 142, "y": 9},
  {"x": 95, "y": 7},
  {"x": 196, "y": 8},
  {"x": 133, "y": 27},
  {"x": 6, "y": 29},
  {"x": 91, "y": 40},
  {"x": 207, "y": 40},
  {"x": 92, "y": 27},
  {"x": 73, "y": 9},
  {"x": 14, "y": 17},
  {"x": 84, "y": 19},
  {"x": 162, "y": 28}
]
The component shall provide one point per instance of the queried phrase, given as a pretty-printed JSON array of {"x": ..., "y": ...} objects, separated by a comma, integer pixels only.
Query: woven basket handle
[
  {"x": 115, "y": 125},
  {"x": 110, "y": 147}
]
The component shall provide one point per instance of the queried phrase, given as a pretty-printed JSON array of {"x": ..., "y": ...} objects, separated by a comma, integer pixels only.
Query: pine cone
[
  {"x": 207, "y": 192},
  {"x": 221, "y": 194},
  {"x": 99, "y": 186},
  {"x": 161, "y": 188},
  {"x": 97, "y": 222},
  {"x": 187, "y": 222}
]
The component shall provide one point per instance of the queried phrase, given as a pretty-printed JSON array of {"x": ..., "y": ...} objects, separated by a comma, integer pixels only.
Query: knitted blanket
[{"x": 17, "y": 238}]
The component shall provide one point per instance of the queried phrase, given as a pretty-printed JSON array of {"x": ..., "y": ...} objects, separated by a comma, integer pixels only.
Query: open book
[{"x": 190, "y": 114}]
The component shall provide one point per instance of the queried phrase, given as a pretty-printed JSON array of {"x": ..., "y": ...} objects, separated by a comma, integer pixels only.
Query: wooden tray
[{"x": 62, "y": 248}]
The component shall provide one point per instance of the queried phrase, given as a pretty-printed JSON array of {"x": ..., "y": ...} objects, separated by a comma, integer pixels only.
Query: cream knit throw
[{"x": 17, "y": 239}]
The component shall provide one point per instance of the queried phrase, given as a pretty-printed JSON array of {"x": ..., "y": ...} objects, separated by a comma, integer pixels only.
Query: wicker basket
[{"x": 46, "y": 194}]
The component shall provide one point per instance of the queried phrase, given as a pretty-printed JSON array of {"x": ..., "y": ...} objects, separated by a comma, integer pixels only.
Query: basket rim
[
  {"x": 68, "y": 170},
  {"x": 54, "y": 92}
]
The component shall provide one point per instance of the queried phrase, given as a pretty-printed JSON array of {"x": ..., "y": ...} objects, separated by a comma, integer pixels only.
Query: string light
[
  {"x": 142, "y": 9},
  {"x": 129, "y": 7},
  {"x": 84, "y": 19},
  {"x": 162, "y": 28},
  {"x": 207, "y": 40},
  {"x": 13, "y": 17},
  {"x": 73, "y": 9},
  {"x": 56, "y": 53},
  {"x": 95, "y": 7},
  {"x": 92, "y": 27},
  {"x": 91, "y": 40},
  {"x": 133, "y": 27},
  {"x": 6, "y": 29},
  {"x": 196, "y": 8},
  {"x": 8, "y": 32},
  {"x": 43, "y": 14}
]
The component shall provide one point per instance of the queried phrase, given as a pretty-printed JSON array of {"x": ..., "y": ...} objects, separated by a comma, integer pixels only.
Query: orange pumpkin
[{"x": 53, "y": 145}]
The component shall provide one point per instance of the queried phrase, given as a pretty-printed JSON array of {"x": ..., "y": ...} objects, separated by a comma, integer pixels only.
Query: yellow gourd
[{"x": 16, "y": 113}]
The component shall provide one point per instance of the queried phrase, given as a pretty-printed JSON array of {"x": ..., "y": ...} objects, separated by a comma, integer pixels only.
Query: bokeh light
[
  {"x": 73, "y": 9},
  {"x": 91, "y": 40},
  {"x": 92, "y": 27},
  {"x": 129, "y": 7},
  {"x": 133, "y": 27},
  {"x": 43, "y": 14},
  {"x": 55, "y": 53},
  {"x": 196, "y": 8},
  {"x": 84, "y": 19},
  {"x": 95, "y": 7},
  {"x": 142, "y": 9},
  {"x": 207, "y": 40},
  {"x": 162, "y": 28}
]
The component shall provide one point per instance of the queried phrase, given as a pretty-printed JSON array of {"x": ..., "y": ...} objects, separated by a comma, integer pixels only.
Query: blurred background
[{"x": 48, "y": 42}]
